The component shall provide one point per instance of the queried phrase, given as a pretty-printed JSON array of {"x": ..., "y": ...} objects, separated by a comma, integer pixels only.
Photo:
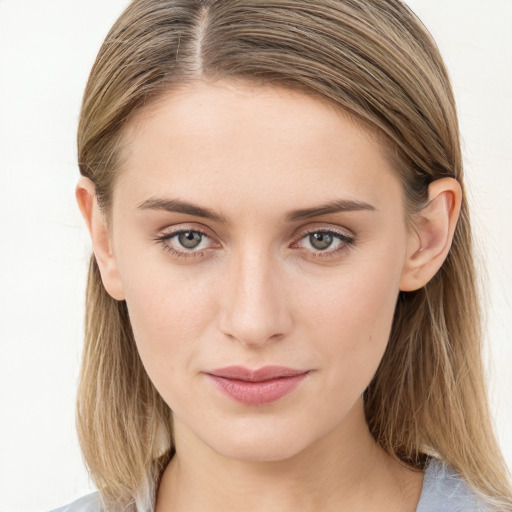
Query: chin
[
  {"x": 264, "y": 451},
  {"x": 258, "y": 443}
]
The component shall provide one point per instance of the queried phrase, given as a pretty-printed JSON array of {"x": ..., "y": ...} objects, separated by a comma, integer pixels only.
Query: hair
[{"x": 373, "y": 60}]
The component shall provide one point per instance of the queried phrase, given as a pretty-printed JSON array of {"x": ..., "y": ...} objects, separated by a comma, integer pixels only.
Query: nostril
[{"x": 255, "y": 331}]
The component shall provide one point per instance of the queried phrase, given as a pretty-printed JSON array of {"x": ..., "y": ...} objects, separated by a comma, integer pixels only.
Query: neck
[{"x": 345, "y": 470}]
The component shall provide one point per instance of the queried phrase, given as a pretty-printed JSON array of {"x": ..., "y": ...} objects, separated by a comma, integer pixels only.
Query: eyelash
[
  {"x": 163, "y": 239},
  {"x": 345, "y": 240}
]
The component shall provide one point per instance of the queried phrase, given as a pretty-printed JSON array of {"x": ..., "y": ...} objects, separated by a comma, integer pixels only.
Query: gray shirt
[{"x": 443, "y": 491}]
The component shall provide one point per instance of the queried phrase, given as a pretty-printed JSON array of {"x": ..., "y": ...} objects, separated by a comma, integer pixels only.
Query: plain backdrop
[{"x": 46, "y": 51}]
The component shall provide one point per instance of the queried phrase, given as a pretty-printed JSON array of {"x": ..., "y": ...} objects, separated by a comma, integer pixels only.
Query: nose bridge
[{"x": 255, "y": 309}]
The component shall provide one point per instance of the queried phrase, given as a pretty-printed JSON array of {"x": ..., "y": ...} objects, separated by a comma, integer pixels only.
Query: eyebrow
[
  {"x": 178, "y": 206},
  {"x": 341, "y": 205}
]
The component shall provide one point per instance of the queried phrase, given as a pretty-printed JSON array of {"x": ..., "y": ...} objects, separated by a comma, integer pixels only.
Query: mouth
[{"x": 257, "y": 387}]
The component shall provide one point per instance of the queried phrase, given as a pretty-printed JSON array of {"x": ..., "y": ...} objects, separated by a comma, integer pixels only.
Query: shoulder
[
  {"x": 445, "y": 491},
  {"x": 89, "y": 503}
]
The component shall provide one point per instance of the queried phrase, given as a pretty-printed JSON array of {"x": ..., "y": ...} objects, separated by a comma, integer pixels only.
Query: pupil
[
  {"x": 190, "y": 239},
  {"x": 320, "y": 241}
]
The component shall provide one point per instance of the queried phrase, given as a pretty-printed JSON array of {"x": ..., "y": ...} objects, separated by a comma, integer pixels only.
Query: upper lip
[{"x": 257, "y": 375}]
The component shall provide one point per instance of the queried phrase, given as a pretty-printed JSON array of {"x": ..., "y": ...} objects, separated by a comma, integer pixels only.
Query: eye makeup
[
  {"x": 324, "y": 243},
  {"x": 187, "y": 242},
  {"x": 185, "y": 237}
]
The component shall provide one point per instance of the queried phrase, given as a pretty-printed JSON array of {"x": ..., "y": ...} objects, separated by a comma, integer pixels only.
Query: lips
[{"x": 257, "y": 387}]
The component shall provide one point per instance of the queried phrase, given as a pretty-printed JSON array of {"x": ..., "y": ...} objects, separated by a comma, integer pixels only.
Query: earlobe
[
  {"x": 100, "y": 237},
  {"x": 431, "y": 239}
]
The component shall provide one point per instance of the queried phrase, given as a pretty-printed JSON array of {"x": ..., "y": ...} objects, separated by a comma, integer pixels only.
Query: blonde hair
[{"x": 374, "y": 60}]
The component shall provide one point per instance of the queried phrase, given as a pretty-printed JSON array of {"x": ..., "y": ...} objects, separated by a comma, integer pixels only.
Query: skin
[{"x": 257, "y": 291}]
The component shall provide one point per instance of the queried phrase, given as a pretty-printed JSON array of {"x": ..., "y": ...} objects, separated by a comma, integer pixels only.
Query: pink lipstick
[{"x": 257, "y": 387}]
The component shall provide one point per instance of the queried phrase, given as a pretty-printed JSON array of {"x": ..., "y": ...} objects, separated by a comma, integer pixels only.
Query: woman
[{"x": 281, "y": 307}]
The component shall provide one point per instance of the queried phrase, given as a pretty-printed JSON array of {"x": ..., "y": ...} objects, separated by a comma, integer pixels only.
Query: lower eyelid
[
  {"x": 168, "y": 242},
  {"x": 345, "y": 241},
  {"x": 343, "y": 247}
]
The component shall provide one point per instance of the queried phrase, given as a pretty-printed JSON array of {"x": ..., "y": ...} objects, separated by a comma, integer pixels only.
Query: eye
[
  {"x": 321, "y": 240},
  {"x": 189, "y": 239},
  {"x": 185, "y": 242},
  {"x": 324, "y": 242}
]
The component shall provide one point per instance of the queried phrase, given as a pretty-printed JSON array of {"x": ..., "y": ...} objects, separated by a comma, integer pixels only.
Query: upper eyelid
[
  {"x": 171, "y": 232},
  {"x": 298, "y": 235},
  {"x": 344, "y": 240},
  {"x": 165, "y": 235},
  {"x": 342, "y": 232},
  {"x": 174, "y": 233},
  {"x": 299, "y": 232}
]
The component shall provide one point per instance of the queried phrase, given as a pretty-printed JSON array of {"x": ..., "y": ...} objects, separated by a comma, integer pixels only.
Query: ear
[
  {"x": 102, "y": 246},
  {"x": 432, "y": 234}
]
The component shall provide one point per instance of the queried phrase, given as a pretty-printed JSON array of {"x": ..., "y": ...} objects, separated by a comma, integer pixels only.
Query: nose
[{"x": 255, "y": 310}]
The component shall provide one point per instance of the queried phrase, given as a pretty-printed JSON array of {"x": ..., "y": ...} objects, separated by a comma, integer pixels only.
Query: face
[{"x": 257, "y": 228}]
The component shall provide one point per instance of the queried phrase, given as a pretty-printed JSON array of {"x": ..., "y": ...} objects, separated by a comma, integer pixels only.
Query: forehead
[{"x": 245, "y": 143}]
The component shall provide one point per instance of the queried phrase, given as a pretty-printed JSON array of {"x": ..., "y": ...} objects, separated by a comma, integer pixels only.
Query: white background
[{"x": 46, "y": 51}]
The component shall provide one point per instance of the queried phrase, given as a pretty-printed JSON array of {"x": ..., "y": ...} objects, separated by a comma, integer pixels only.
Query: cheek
[
  {"x": 164, "y": 315},
  {"x": 341, "y": 319},
  {"x": 169, "y": 315},
  {"x": 351, "y": 316}
]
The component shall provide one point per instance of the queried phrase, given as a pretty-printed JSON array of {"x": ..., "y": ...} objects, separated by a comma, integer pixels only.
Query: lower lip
[{"x": 257, "y": 393}]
